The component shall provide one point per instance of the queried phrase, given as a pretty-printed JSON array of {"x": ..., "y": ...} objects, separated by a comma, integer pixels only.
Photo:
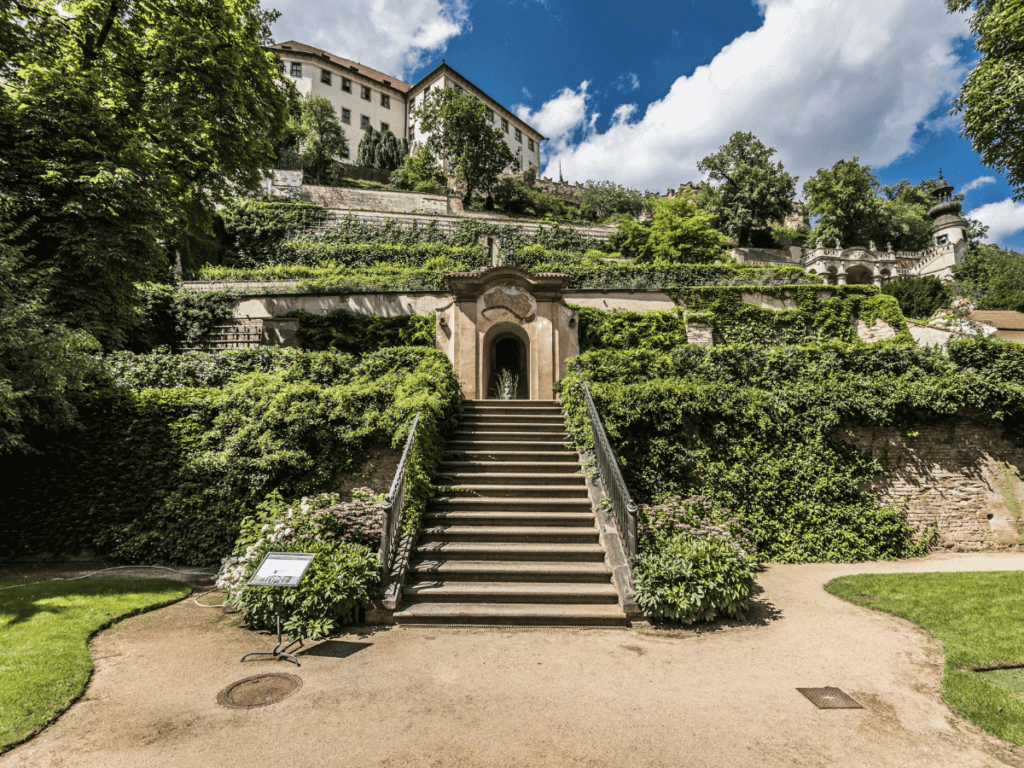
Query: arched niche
[{"x": 506, "y": 345}]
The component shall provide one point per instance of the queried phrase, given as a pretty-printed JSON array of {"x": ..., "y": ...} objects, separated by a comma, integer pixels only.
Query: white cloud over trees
[
  {"x": 1003, "y": 218},
  {"x": 820, "y": 80},
  {"x": 394, "y": 36}
]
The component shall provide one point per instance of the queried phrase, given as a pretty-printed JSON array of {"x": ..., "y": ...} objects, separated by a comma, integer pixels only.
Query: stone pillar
[
  {"x": 841, "y": 278},
  {"x": 699, "y": 334}
]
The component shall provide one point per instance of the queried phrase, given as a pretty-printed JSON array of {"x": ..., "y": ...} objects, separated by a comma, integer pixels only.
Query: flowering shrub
[
  {"x": 695, "y": 561},
  {"x": 343, "y": 535}
]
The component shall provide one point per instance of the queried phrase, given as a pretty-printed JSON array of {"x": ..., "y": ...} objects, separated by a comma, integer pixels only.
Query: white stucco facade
[{"x": 364, "y": 96}]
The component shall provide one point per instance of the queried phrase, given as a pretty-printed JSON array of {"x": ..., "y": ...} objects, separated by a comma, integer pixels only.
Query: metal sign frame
[
  {"x": 288, "y": 569},
  {"x": 269, "y": 574}
]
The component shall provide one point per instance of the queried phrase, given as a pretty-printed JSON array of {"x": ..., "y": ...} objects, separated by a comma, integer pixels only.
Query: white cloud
[
  {"x": 627, "y": 82},
  {"x": 394, "y": 36},
  {"x": 526, "y": 93},
  {"x": 979, "y": 182},
  {"x": 1004, "y": 218},
  {"x": 820, "y": 80},
  {"x": 561, "y": 118}
]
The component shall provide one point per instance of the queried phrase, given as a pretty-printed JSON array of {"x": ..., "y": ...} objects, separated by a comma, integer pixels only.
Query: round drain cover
[{"x": 259, "y": 690}]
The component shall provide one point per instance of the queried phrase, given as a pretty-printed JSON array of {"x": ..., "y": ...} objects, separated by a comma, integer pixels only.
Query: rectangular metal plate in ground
[
  {"x": 829, "y": 698},
  {"x": 281, "y": 569}
]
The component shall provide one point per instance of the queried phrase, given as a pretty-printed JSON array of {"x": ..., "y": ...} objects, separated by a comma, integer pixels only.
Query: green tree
[
  {"x": 992, "y": 97},
  {"x": 123, "y": 124},
  {"x": 845, "y": 196},
  {"x": 321, "y": 139},
  {"x": 751, "y": 191},
  {"x": 630, "y": 239},
  {"x": 992, "y": 277},
  {"x": 43, "y": 364},
  {"x": 607, "y": 198},
  {"x": 919, "y": 297},
  {"x": 904, "y": 220},
  {"x": 682, "y": 232},
  {"x": 419, "y": 172},
  {"x": 368, "y": 147},
  {"x": 462, "y": 141}
]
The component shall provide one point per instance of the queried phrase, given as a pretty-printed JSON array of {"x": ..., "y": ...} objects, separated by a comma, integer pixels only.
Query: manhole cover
[
  {"x": 829, "y": 698},
  {"x": 259, "y": 690}
]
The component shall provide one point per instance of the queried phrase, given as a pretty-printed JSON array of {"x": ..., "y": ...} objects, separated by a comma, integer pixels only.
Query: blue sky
[{"x": 638, "y": 92}]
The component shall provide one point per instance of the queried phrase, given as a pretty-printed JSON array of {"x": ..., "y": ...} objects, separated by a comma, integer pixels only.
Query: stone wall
[
  {"x": 965, "y": 478},
  {"x": 378, "y": 200}
]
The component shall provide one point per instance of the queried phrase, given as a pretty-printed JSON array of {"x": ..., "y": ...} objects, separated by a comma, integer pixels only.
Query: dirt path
[{"x": 433, "y": 697}]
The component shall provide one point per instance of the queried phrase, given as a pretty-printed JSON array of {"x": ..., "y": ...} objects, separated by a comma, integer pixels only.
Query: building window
[
  {"x": 529, "y": 144},
  {"x": 504, "y": 125},
  {"x": 364, "y": 122},
  {"x": 457, "y": 89},
  {"x": 426, "y": 92},
  {"x": 519, "y": 135},
  {"x": 384, "y": 127},
  {"x": 364, "y": 92},
  {"x": 490, "y": 115},
  {"x": 412, "y": 134},
  {"x": 296, "y": 69},
  {"x": 344, "y": 153},
  {"x": 385, "y": 101},
  {"x": 346, "y": 85},
  {"x": 325, "y": 77},
  {"x": 942, "y": 239},
  {"x": 346, "y": 116}
]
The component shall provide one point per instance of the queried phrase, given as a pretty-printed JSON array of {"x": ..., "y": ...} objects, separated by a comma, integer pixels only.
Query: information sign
[{"x": 281, "y": 569}]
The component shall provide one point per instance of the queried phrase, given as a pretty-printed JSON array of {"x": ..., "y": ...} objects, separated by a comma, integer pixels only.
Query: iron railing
[
  {"x": 623, "y": 507},
  {"x": 393, "y": 508}
]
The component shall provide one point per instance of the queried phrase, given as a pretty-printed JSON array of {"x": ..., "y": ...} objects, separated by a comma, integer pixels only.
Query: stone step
[
  {"x": 475, "y": 417},
  {"x": 493, "y": 447},
  {"x": 578, "y": 491},
  {"x": 463, "y": 468},
  {"x": 509, "y": 592},
  {"x": 484, "y": 503},
  {"x": 435, "y": 551},
  {"x": 511, "y": 614},
  {"x": 510, "y": 427},
  {"x": 550, "y": 439},
  {"x": 520, "y": 571},
  {"x": 509, "y": 518},
  {"x": 499, "y": 452},
  {"x": 514, "y": 534},
  {"x": 509, "y": 404},
  {"x": 477, "y": 479}
]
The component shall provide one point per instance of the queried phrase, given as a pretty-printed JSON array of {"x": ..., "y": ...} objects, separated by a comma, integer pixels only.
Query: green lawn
[
  {"x": 44, "y": 642},
  {"x": 979, "y": 617}
]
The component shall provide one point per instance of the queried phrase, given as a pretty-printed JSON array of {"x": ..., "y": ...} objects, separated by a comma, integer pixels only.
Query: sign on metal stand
[{"x": 280, "y": 570}]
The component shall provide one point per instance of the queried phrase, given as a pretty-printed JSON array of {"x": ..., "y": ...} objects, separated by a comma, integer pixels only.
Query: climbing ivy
[{"x": 759, "y": 430}]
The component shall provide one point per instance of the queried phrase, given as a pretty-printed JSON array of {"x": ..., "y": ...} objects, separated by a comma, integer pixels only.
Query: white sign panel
[{"x": 281, "y": 569}]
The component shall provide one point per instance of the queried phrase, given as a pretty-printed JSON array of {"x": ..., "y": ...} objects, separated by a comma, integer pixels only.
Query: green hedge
[
  {"x": 255, "y": 229},
  {"x": 314, "y": 252},
  {"x": 166, "y": 475},
  {"x": 756, "y": 430},
  {"x": 172, "y": 317},
  {"x": 813, "y": 317},
  {"x": 351, "y": 332}
]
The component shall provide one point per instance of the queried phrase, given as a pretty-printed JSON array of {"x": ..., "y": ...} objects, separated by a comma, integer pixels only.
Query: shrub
[
  {"x": 695, "y": 579},
  {"x": 919, "y": 297},
  {"x": 355, "y": 333},
  {"x": 170, "y": 316},
  {"x": 343, "y": 536},
  {"x": 254, "y": 229},
  {"x": 166, "y": 475}
]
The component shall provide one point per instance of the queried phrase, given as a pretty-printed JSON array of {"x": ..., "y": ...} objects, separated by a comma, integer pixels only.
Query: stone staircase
[{"x": 518, "y": 544}]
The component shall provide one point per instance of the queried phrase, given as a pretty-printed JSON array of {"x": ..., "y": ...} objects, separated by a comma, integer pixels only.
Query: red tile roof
[
  {"x": 1004, "y": 320},
  {"x": 370, "y": 72}
]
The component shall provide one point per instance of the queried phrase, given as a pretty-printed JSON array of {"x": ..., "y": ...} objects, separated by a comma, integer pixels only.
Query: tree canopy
[
  {"x": 992, "y": 277},
  {"x": 607, "y": 198},
  {"x": 680, "y": 233},
  {"x": 381, "y": 149},
  {"x": 316, "y": 134},
  {"x": 462, "y": 140},
  {"x": 992, "y": 97},
  {"x": 124, "y": 123},
  {"x": 919, "y": 297},
  {"x": 751, "y": 191}
]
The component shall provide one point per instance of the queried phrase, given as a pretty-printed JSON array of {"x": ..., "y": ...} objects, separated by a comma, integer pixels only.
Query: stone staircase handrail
[
  {"x": 623, "y": 507},
  {"x": 393, "y": 507}
]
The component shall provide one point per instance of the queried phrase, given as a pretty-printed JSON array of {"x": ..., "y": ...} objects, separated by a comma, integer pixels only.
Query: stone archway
[
  {"x": 506, "y": 347},
  {"x": 499, "y": 303},
  {"x": 859, "y": 274}
]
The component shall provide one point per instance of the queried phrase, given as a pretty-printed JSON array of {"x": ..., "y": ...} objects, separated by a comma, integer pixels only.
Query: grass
[
  {"x": 44, "y": 642},
  {"x": 978, "y": 617}
]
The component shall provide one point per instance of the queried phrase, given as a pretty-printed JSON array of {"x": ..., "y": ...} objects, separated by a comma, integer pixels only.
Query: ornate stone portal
[{"x": 507, "y": 318}]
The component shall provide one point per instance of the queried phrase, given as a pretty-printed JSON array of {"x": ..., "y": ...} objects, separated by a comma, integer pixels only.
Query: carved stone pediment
[
  {"x": 508, "y": 296},
  {"x": 543, "y": 286}
]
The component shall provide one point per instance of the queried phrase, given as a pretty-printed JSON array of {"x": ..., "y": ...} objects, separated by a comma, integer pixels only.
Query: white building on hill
[{"x": 363, "y": 96}]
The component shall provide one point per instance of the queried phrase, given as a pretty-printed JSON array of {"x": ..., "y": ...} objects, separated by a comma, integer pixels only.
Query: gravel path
[{"x": 722, "y": 696}]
